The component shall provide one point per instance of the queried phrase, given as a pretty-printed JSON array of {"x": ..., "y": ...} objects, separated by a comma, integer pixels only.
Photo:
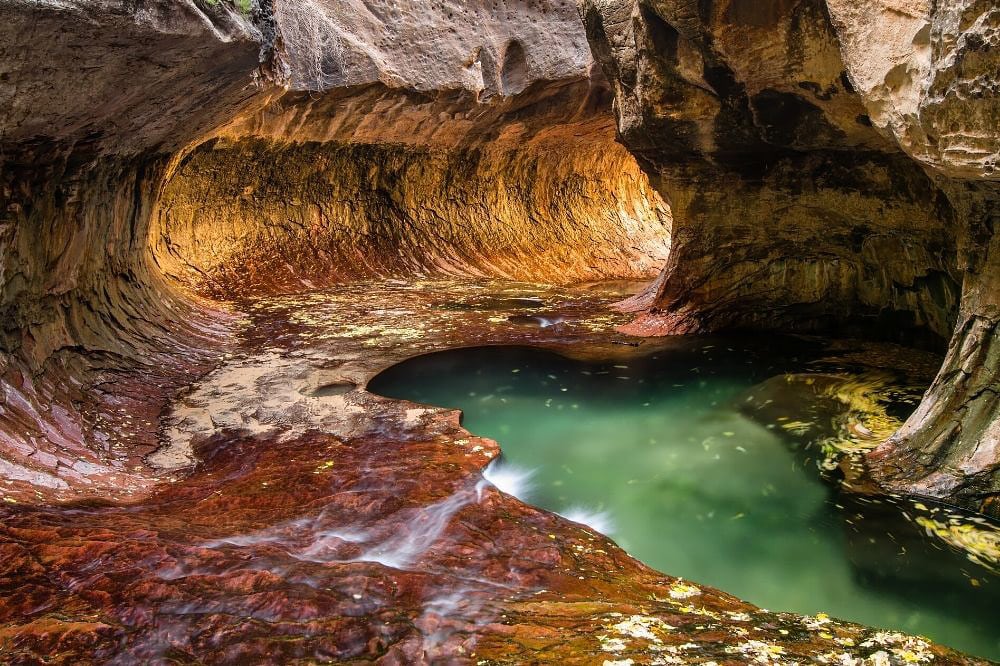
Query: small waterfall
[
  {"x": 420, "y": 531},
  {"x": 599, "y": 521},
  {"x": 509, "y": 478}
]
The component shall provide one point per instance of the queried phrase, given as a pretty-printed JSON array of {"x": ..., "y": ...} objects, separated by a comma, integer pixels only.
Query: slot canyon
[{"x": 500, "y": 332}]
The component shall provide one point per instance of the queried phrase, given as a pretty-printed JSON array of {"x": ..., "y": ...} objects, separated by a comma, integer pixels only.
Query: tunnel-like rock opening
[
  {"x": 277, "y": 147},
  {"x": 256, "y": 153},
  {"x": 270, "y": 147},
  {"x": 792, "y": 211},
  {"x": 178, "y": 178},
  {"x": 377, "y": 183}
]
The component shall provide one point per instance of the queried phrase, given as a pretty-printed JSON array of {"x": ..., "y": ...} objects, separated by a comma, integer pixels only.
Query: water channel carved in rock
[{"x": 219, "y": 219}]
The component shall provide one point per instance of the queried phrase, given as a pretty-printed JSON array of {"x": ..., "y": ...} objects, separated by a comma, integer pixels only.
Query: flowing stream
[{"x": 704, "y": 460}]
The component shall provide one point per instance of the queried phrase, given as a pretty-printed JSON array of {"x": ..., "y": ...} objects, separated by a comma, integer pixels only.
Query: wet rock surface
[
  {"x": 355, "y": 527},
  {"x": 105, "y": 100}
]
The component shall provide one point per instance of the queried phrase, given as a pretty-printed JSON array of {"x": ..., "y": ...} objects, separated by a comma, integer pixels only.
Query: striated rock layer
[
  {"x": 151, "y": 150},
  {"x": 371, "y": 181},
  {"x": 94, "y": 339},
  {"x": 230, "y": 165},
  {"x": 828, "y": 163}
]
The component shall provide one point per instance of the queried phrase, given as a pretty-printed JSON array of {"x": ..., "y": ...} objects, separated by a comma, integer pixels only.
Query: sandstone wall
[
  {"x": 491, "y": 47},
  {"x": 843, "y": 154},
  {"x": 529, "y": 189},
  {"x": 94, "y": 96},
  {"x": 791, "y": 211},
  {"x": 928, "y": 73},
  {"x": 153, "y": 150}
]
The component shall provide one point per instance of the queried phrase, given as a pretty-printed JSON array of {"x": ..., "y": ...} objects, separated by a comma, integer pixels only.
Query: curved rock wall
[
  {"x": 106, "y": 196},
  {"x": 781, "y": 135},
  {"x": 401, "y": 148},
  {"x": 491, "y": 47},
  {"x": 791, "y": 211},
  {"x": 336, "y": 141},
  {"x": 532, "y": 190},
  {"x": 94, "y": 341},
  {"x": 856, "y": 146}
]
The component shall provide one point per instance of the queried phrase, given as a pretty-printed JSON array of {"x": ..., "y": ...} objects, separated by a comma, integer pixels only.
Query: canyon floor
[
  {"x": 225, "y": 223},
  {"x": 297, "y": 518}
]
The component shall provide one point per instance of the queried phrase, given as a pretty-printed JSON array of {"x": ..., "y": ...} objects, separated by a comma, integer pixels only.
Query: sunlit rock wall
[
  {"x": 416, "y": 138},
  {"x": 927, "y": 72},
  {"x": 532, "y": 188}
]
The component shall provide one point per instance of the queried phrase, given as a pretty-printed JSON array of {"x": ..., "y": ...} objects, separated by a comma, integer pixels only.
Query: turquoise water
[{"x": 681, "y": 457}]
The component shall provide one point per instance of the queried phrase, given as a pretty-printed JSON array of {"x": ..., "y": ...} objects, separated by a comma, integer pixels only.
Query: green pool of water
[{"x": 682, "y": 459}]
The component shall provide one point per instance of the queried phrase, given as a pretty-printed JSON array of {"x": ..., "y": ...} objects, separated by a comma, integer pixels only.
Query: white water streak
[
  {"x": 509, "y": 478},
  {"x": 599, "y": 521},
  {"x": 420, "y": 532}
]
